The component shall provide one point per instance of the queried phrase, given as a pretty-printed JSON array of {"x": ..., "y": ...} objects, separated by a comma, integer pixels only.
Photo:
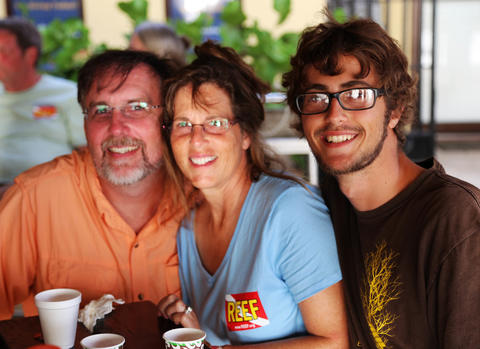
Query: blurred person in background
[
  {"x": 39, "y": 114},
  {"x": 258, "y": 261},
  {"x": 408, "y": 235},
  {"x": 102, "y": 219},
  {"x": 162, "y": 40}
]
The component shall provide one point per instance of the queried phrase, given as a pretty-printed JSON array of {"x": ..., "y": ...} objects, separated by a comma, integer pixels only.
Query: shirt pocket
[{"x": 93, "y": 280}]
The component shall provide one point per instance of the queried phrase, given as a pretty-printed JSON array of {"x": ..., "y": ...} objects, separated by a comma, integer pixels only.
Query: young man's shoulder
[
  {"x": 446, "y": 208},
  {"x": 452, "y": 189}
]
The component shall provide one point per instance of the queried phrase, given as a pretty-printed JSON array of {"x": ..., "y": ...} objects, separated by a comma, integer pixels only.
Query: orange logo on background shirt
[
  {"x": 244, "y": 311},
  {"x": 44, "y": 111}
]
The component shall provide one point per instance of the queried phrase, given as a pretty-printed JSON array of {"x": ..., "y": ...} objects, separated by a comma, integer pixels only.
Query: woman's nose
[{"x": 197, "y": 134}]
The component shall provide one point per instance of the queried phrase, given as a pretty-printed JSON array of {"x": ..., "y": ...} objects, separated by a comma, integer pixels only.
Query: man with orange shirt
[{"x": 102, "y": 219}]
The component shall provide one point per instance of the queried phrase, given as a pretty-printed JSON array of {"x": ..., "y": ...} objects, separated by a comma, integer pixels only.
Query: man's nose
[
  {"x": 335, "y": 112},
  {"x": 118, "y": 122}
]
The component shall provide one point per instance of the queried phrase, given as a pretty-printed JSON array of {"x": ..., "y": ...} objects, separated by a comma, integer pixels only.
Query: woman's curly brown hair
[{"x": 224, "y": 68}]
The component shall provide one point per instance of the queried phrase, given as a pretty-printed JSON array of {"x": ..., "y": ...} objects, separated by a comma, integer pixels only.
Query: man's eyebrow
[
  {"x": 95, "y": 103},
  {"x": 140, "y": 99},
  {"x": 356, "y": 83},
  {"x": 320, "y": 87},
  {"x": 131, "y": 100},
  {"x": 345, "y": 85}
]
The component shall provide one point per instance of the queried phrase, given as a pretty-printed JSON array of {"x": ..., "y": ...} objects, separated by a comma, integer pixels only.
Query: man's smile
[{"x": 339, "y": 138}]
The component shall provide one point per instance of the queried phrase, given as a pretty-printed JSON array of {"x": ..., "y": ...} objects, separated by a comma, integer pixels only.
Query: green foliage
[
  {"x": 283, "y": 9},
  {"x": 269, "y": 56},
  {"x": 135, "y": 9},
  {"x": 192, "y": 30},
  {"x": 23, "y": 7},
  {"x": 340, "y": 15},
  {"x": 66, "y": 47},
  {"x": 232, "y": 14}
]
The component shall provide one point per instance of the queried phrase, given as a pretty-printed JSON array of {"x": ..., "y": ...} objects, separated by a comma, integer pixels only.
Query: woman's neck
[{"x": 216, "y": 220}]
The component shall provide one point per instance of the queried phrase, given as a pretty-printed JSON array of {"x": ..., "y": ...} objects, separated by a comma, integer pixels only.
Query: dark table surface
[{"x": 137, "y": 322}]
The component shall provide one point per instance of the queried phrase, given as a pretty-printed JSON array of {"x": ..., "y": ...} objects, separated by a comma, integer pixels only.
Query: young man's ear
[{"x": 395, "y": 117}]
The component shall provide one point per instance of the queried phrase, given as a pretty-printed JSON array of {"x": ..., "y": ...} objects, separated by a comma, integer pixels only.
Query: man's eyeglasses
[
  {"x": 352, "y": 99},
  {"x": 215, "y": 126},
  {"x": 132, "y": 110}
]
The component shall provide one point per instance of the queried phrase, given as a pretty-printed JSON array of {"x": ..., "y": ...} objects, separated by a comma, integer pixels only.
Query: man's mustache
[{"x": 122, "y": 142}]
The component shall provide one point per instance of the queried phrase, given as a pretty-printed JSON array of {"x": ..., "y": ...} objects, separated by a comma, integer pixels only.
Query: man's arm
[
  {"x": 17, "y": 250},
  {"x": 456, "y": 309},
  {"x": 3, "y": 188}
]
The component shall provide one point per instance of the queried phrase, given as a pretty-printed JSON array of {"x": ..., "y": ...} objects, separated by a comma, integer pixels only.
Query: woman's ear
[{"x": 246, "y": 141}]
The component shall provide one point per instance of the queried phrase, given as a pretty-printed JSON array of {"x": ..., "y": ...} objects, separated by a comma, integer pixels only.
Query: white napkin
[{"x": 97, "y": 309}]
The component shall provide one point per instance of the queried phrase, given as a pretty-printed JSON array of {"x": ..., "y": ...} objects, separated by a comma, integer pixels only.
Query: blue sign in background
[{"x": 44, "y": 11}]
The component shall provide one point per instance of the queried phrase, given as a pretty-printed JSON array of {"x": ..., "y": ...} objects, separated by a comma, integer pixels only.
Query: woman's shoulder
[
  {"x": 287, "y": 193},
  {"x": 280, "y": 185},
  {"x": 290, "y": 208}
]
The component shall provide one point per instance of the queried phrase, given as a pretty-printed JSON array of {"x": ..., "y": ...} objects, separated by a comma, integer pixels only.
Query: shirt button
[
  {"x": 140, "y": 296},
  {"x": 136, "y": 245}
]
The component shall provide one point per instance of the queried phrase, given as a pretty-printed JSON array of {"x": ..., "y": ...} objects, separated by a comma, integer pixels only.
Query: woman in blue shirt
[{"x": 257, "y": 253}]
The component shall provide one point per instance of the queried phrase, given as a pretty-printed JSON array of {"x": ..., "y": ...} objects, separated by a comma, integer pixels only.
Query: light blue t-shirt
[
  {"x": 282, "y": 252},
  {"x": 38, "y": 124}
]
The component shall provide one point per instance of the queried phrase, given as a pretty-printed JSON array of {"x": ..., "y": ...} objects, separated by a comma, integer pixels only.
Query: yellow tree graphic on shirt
[{"x": 381, "y": 286}]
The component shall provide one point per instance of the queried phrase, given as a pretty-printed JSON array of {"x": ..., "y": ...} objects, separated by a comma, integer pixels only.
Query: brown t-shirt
[{"x": 411, "y": 267}]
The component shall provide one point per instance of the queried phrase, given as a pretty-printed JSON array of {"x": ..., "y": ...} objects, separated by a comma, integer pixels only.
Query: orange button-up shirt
[{"x": 57, "y": 229}]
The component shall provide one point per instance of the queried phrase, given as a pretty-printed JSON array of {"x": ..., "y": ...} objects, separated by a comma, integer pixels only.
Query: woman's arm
[
  {"x": 323, "y": 314},
  {"x": 325, "y": 319},
  {"x": 171, "y": 307}
]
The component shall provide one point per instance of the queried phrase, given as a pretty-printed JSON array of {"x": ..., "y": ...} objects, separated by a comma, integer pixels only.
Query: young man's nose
[{"x": 335, "y": 112}]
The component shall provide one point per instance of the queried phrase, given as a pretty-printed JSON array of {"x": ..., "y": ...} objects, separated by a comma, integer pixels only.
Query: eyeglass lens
[
  {"x": 132, "y": 110},
  {"x": 213, "y": 126},
  {"x": 351, "y": 99}
]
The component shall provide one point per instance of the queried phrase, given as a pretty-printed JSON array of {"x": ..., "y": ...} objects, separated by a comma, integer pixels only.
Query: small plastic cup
[
  {"x": 191, "y": 338},
  {"x": 103, "y": 341},
  {"x": 58, "y": 312}
]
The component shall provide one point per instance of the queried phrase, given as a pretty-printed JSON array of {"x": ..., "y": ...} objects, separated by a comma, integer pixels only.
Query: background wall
[{"x": 110, "y": 25}]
